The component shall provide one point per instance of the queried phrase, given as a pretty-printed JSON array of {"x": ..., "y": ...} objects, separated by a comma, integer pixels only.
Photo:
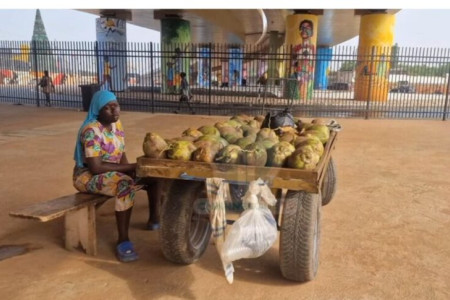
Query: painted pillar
[
  {"x": 301, "y": 39},
  {"x": 324, "y": 55},
  {"x": 203, "y": 67},
  {"x": 112, "y": 51},
  {"x": 235, "y": 61},
  {"x": 376, "y": 37},
  {"x": 273, "y": 62},
  {"x": 175, "y": 39}
]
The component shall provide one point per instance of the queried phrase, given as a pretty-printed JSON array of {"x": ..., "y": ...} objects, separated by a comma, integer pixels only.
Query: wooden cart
[{"x": 185, "y": 229}]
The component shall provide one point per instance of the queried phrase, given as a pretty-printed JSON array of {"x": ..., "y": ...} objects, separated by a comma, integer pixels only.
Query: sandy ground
[{"x": 385, "y": 235}]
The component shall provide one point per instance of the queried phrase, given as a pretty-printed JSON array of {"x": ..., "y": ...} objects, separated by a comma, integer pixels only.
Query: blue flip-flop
[{"x": 125, "y": 252}]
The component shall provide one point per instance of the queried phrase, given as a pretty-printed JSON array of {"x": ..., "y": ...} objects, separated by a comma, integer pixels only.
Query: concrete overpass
[{"x": 245, "y": 26}]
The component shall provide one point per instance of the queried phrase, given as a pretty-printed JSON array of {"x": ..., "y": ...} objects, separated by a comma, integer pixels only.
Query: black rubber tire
[
  {"x": 329, "y": 183},
  {"x": 185, "y": 227},
  {"x": 300, "y": 236}
]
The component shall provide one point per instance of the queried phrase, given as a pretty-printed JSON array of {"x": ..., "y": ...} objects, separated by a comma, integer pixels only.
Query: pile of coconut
[{"x": 241, "y": 140}]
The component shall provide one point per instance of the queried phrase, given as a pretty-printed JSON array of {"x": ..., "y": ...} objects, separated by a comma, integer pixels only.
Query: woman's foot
[{"x": 125, "y": 252}]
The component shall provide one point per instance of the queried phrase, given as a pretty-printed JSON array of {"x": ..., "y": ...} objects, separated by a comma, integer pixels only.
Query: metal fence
[{"x": 392, "y": 82}]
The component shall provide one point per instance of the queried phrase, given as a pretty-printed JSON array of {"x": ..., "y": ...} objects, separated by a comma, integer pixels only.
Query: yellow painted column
[
  {"x": 301, "y": 38},
  {"x": 376, "y": 37}
]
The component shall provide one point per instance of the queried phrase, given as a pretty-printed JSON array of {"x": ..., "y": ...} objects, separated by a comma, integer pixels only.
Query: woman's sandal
[{"x": 125, "y": 252}]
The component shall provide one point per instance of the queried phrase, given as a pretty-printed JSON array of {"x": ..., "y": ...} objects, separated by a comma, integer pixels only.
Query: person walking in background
[
  {"x": 186, "y": 94},
  {"x": 46, "y": 83}
]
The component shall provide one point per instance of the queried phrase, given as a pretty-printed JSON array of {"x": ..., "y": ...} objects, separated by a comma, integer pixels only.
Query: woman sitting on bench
[{"x": 102, "y": 166}]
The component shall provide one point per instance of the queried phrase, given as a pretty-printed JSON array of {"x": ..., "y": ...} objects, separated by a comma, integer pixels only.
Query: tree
[{"x": 348, "y": 66}]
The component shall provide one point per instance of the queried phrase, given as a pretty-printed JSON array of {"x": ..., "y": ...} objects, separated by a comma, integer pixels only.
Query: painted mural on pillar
[
  {"x": 235, "y": 66},
  {"x": 175, "y": 36},
  {"x": 303, "y": 60},
  {"x": 376, "y": 37},
  {"x": 203, "y": 72},
  {"x": 112, "y": 60}
]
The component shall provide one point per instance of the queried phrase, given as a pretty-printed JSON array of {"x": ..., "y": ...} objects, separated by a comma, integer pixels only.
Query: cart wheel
[
  {"x": 185, "y": 228},
  {"x": 329, "y": 183},
  {"x": 300, "y": 236}
]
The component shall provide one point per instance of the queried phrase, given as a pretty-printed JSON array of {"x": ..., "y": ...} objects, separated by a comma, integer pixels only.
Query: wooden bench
[{"x": 79, "y": 212}]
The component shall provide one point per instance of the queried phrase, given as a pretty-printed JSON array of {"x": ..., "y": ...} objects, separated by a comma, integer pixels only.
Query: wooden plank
[
  {"x": 80, "y": 230},
  {"x": 166, "y": 168},
  {"x": 323, "y": 163},
  {"x": 58, "y": 207}
]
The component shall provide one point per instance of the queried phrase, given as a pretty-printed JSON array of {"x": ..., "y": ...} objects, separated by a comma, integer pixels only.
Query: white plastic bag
[
  {"x": 251, "y": 235},
  {"x": 255, "y": 231}
]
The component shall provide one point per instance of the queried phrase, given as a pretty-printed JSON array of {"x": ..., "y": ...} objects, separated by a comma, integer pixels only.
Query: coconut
[
  {"x": 288, "y": 137},
  {"x": 266, "y": 133},
  {"x": 259, "y": 118},
  {"x": 248, "y": 130},
  {"x": 154, "y": 146},
  {"x": 209, "y": 130},
  {"x": 243, "y": 142},
  {"x": 254, "y": 155},
  {"x": 182, "y": 138},
  {"x": 231, "y": 134},
  {"x": 268, "y": 143},
  {"x": 231, "y": 154},
  {"x": 214, "y": 144},
  {"x": 303, "y": 158},
  {"x": 320, "y": 131},
  {"x": 235, "y": 123},
  {"x": 312, "y": 141},
  {"x": 181, "y": 150},
  {"x": 206, "y": 153},
  {"x": 192, "y": 132},
  {"x": 278, "y": 154},
  {"x": 254, "y": 124},
  {"x": 215, "y": 138}
]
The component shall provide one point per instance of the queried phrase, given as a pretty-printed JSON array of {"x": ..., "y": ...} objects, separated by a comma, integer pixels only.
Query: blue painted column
[
  {"x": 322, "y": 64},
  {"x": 235, "y": 66},
  {"x": 203, "y": 67},
  {"x": 112, "y": 51}
]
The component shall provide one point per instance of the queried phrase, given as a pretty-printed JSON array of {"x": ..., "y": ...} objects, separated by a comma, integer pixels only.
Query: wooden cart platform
[{"x": 282, "y": 178}]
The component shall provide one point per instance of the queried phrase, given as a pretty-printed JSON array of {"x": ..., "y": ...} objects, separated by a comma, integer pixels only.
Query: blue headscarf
[{"x": 100, "y": 99}]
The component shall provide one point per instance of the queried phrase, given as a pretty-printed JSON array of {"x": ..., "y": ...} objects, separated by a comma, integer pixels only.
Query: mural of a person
[
  {"x": 107, "y": 73},
  {"x": 169, "y": 77},
  {"x": 303, "y": 60},
  {"x": 177, "y": 68}
]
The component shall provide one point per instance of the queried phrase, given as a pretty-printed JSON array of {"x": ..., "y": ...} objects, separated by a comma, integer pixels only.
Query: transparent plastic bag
[
  {"x": 251, "y": 235},
  {"x": 255, "y": 231}
]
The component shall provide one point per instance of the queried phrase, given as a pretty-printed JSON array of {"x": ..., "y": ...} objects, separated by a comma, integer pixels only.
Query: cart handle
[{"x": 185, "y": 176}]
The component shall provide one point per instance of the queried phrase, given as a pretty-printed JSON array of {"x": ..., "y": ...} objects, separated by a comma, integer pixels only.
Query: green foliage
[
  {"x": 348, "y": 66},
  {"x": 425, "y": 70}
]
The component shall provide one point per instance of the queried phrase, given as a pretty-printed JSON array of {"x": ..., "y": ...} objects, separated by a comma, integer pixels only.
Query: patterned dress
[{"x": 109, "y": 145}]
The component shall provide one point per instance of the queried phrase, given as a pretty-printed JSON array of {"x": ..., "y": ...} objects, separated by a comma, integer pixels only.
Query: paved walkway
[{"x": 385, "y": 235}]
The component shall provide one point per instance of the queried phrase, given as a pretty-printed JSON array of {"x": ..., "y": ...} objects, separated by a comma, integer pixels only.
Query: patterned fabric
[
  {"x": 218, "y": 191},
  {"x": 100, "y": 99},
  {"x": 109, "y": 145},
  {"x": 110, "y": 183},
  {"x": 98, "y": 141}
]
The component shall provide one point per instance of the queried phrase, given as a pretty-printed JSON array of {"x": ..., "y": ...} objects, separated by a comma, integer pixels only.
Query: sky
[{"x": 414, "y": 27}]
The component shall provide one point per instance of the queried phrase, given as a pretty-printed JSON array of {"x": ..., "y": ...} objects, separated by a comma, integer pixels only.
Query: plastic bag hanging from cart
[{"x": 255, "y": 231}]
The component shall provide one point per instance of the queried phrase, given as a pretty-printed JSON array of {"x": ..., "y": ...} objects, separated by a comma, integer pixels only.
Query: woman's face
[{"x": 109, "y": 113}]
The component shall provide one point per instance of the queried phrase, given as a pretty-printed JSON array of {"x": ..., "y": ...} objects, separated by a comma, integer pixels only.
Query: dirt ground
[{"x": 385, "y": 235}]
